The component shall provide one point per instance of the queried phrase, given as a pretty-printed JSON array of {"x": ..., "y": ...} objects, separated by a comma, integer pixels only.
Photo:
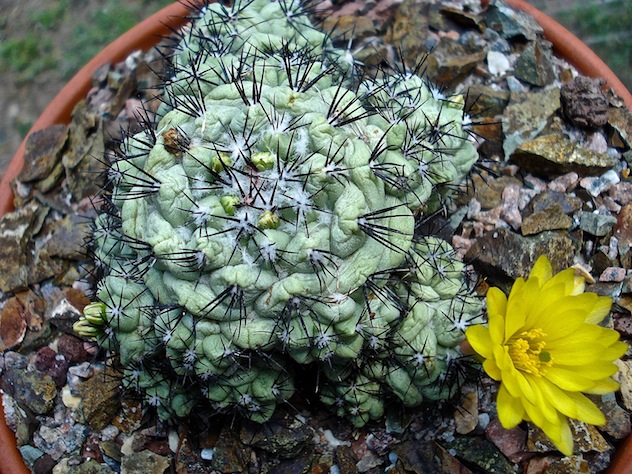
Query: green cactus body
[{"x": 268, "y": 221}]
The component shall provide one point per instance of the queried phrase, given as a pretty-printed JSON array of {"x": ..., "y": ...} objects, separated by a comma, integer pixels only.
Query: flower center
[{"x": 527, "y": 352}]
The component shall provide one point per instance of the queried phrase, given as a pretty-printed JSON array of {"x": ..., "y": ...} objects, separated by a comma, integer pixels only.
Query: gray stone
[
  {"x": 597, "y": 223},
  {"x": 527, "y": 115},
  {"x": 30, "y": 454},
  {"x": 534, "y": 65},
  {"x": 509, "y": 22},
  {"x": 618, "y": 423},
  {"x": 284, "y": 436},
  {"x": 33, "y": 391},
  {"x": 482, "y": 453},
  {"x": 144, "y": 462}
]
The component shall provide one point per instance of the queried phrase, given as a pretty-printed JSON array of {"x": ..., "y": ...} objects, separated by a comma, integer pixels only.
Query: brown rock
[
  {"x": 349, "y": 26},
  {"x": 91, "y": 449},
  {"x": 512, "y": 443},
  {"x": 623, "y": 228},
  {"x": 484, "y": 101},
  {"x": 620, "y": 121},
  {"x": 466, "y": 415},
  {"x": 449, "y": 463},
  {"x": 16, "y": 230},
  {"x": 12, "y": 324},
  {"x": 68, "y": 237},
  {"x": 72, "y": 348},
  {"x": 42, "y": 152},
  {"x": 489, "y": 191},
  {"x": 100, "y": 399},
  {"x": 345, "y": 459},
  {"x": 583, "y": 103},
  {"x": 552, "y": 465},
  {"x": 528, "y": 110},
  {"x": 504, "y": 255},
  {"x": 145, "y": 462},
  {"x": 625, "y": 328},
  {"x": 553, "y": 155},
  {"x": 48, "y": 363},
  {"x": 32, "y": 390},
  {"x": 621, "y": 193},
  {"x": 450, "y": 62},
  {"x": 410, "y": 28},
  {"x": 551, "y": 218},
  {"x": 587, "y": 438},
  {"x": 491, "y": 131},
  {"x": 546, "y": 199},
  {"x": 624, "y": 377}
]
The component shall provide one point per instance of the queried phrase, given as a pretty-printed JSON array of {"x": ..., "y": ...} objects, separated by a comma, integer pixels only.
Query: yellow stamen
[{"x": 527, "y": 352}]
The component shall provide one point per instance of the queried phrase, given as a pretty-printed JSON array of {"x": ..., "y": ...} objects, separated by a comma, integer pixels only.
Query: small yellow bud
[
  {"x": 94, "y": 313},
  {"x": 229, "y": 203},
  {"x": 268, "y": 220},
  {"x": 84, "y": 329},
  {"x": 263, "y": 160},
  {"x": 220, "y": 161}
]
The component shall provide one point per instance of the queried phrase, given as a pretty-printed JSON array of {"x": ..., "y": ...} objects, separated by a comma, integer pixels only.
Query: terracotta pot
[{"x": 147, "y": 33}]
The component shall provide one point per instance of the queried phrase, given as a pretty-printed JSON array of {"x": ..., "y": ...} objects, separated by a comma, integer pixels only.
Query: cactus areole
[{"x": 267, "y": 221}]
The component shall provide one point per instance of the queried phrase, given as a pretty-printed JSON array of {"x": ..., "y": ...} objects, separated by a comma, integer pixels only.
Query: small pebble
[
  {"x": 612, "y": 274},
  {"x": 564, "y": 183},
  {"x": 207, "y": 454},
  {"x": 597, "y": 185},
  {"x": 497, "y": 63}
]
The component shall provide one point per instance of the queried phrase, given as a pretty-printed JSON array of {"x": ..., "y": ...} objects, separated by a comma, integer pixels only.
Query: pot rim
[{"x": 147, "y": 33}]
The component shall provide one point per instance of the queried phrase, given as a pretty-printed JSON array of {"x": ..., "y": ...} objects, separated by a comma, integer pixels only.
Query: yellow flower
[{"x": 544, "y": 346}]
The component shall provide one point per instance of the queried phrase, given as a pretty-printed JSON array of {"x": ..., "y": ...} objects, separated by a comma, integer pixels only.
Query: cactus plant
[{"x": 268, "y": 220}]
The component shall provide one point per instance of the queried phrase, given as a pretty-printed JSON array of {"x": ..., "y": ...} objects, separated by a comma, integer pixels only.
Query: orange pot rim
[{"x": 146, "y": 34}]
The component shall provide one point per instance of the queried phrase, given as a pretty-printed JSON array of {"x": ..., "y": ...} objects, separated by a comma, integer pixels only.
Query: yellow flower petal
[
  {"x": 600, "y": 310},
  {"x": 561, "y": 436},
  {"x": 492, "y": 369},
  {"x": 603, "y": 386},
  {"x": 562, "y": 316},
  {"x": 542, "y": 270},
  {"x": 519, "y": 306},
  {"x": 578, "y": 353},
  {"x": 570, "y": 380},
  {"x": 587, "y": 411},
  {"x": 510, "y": 409},
  {"x": 496, "y": 309},
  {"x": 479, "y": 338},
  {"x": 572, "y": 404}
]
